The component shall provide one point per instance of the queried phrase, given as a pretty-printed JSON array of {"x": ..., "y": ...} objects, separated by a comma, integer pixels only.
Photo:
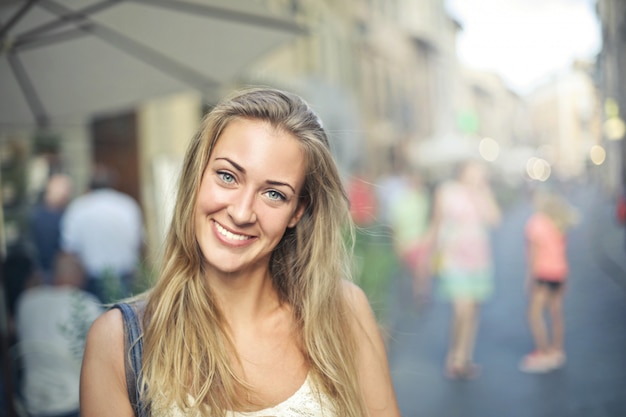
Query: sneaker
[
  {"x": 537, "y": 362},
  {"x": 558, "y": 359}
]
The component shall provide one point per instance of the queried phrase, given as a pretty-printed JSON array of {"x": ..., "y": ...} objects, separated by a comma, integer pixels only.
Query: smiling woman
[{"x": 253, "y": 313}]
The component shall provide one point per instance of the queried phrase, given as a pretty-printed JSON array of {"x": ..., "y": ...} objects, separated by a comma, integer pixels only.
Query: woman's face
[{"x": 248, "y": 196}]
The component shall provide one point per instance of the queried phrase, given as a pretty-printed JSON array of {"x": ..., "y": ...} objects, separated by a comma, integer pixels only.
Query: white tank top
[{"x": 305, "y": 402}]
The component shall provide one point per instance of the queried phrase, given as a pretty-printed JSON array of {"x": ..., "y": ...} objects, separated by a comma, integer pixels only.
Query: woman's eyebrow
[
  {"x": 233, "y": 163},
  {"x": 279, "y": 183}
]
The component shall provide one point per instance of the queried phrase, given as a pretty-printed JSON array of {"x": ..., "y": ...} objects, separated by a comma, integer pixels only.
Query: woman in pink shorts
[{"x": 547, "y": 274}]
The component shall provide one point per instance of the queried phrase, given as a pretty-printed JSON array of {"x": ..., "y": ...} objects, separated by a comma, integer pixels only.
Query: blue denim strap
[{"x": 133, "y": 346}]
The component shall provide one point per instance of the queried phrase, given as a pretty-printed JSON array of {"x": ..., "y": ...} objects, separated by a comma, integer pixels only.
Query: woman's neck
[{"x": 245, "y": 298}]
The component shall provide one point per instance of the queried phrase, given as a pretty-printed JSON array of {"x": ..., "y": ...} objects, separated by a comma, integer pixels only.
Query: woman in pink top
[
  {"x": 547, "y": 272},
  {"x": 465, "y": 209}
]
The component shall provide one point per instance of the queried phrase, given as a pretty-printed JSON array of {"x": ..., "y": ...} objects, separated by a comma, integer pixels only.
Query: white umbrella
[
  {"x": 445, "y": 150},
  {"x": 62, "y": 58}
]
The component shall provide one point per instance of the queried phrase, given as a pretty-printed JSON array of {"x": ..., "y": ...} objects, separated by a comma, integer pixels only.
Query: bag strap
[{"x": 133, "y": 346}]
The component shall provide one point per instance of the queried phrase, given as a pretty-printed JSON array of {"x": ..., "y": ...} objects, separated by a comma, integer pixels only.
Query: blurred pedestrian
[
  {"x": 546, "y": 279},
  {"x": 464, "y": 211},
  {"x": 19, "y": 272},
  {"x": 252, "y": 315},
  {"x": 362, "y": 197},
  {"x": 410, "y": 219},
  {"x": 620, "y": 212},
  {"x": 370, "y": 244},
  {"x": 104, "y": 228},
  {"x": 51, "y": 327},
  {"x": 390, "y": 186},
  {"x": 45, "y": 223}
]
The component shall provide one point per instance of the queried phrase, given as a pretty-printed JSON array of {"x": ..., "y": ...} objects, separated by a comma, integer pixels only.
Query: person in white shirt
[
  {"x": 104, "y": 228},
  {"x": 51, "y": 327}
]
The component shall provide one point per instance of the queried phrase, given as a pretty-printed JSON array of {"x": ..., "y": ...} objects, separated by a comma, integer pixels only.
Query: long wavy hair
[{"x": 187, "y": 348}]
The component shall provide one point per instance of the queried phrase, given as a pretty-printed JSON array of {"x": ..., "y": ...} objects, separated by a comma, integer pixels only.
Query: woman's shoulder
[
  {"x": 364, "y": 320},
  {"x": 105, "y": 342},
  {"x": 108, "y": 326},
  {"x": 372, "y": 358},
  {"x": 113, "y": 322},
  {"x": 103, "y": 377},
  {"x": 354, "y": 295}
]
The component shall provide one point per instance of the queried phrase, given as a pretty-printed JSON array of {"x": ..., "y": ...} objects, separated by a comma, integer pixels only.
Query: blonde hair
[
  {"x": 187, "y": 350},
  {"x": 562, "y": 214}
]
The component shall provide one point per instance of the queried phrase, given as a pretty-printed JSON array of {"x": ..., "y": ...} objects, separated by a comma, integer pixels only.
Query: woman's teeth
[{"x": 230, "y": 235}]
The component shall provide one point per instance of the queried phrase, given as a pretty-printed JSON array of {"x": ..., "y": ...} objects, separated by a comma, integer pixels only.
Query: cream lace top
[{"x": 305, "y": 402}]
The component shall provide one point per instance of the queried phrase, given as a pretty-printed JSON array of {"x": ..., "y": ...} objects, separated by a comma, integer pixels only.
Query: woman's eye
[
  {"x": 226, "y": 177},
  {"x": 275, "y": 195}
]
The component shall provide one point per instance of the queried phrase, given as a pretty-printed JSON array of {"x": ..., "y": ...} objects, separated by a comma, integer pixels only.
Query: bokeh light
[
  {"x": 597, "y": 154},
  {"x": 614, "y": 128},
  {"x": 489, "y": 149},
  {"x": 538, "y": 169}
]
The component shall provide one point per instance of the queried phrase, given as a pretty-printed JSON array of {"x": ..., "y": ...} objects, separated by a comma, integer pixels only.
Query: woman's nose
[{"x": 241, "y": 209}]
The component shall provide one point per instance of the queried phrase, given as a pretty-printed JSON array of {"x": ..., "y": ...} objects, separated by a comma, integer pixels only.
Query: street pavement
[{"x": 593, "y": 381}]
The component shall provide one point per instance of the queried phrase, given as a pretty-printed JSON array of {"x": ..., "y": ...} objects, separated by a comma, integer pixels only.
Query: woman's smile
[{"x": 229, "y": 236}]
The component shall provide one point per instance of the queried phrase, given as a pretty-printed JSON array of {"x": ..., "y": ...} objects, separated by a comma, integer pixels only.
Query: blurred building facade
[
  {"x": 490, "y": 109},
  {"x": 611, "y": 80},
  {"x": 500, "y": 112},
  {"x": 565, "y": 120},
  {"x": 382, "y": 74},
  {"x": 391, "y": 64}
]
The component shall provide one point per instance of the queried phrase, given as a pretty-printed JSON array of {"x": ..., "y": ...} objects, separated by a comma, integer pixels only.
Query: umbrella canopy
[
  {"x": 445, "y": 150},
  {"x": 69, "y": 58}
]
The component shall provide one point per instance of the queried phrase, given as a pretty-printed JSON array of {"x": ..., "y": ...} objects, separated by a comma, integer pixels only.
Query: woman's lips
[{"x": 227, "y": 235}]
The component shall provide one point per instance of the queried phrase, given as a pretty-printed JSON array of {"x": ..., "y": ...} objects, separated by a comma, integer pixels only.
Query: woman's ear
[{"x": 297, "y": 215}]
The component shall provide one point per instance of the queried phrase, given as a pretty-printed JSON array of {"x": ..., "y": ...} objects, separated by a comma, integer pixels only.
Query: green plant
[{"x": 375, "y": 264}]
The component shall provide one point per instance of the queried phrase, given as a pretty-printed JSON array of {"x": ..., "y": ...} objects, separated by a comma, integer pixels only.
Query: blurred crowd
[
  {"x": 84, "y": 251},
  {"x": 81, "y": 253},
  {"x": 438, "y": 233},
  {"x": 437, "y": 229}
]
